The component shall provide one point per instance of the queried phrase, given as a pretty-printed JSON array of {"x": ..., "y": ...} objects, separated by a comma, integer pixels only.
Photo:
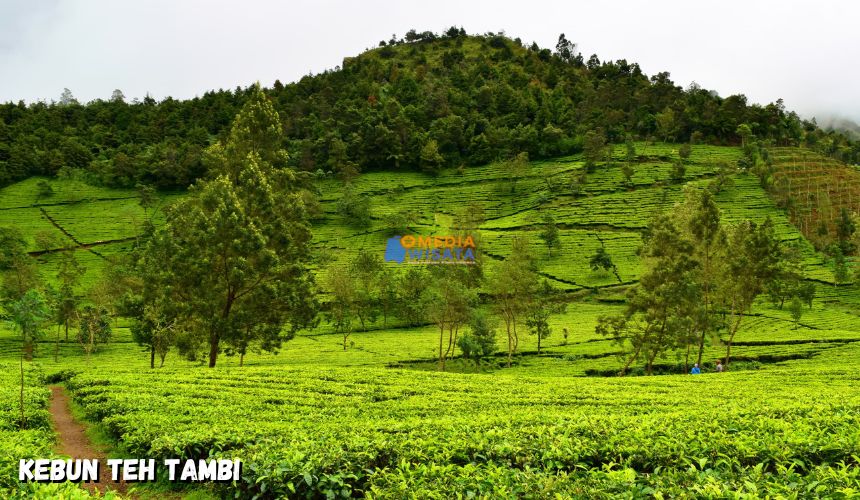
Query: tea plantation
[{"x": 377, "y": 420}]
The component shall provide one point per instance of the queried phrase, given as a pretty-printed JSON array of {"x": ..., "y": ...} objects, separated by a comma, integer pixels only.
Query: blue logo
[{"x": 394, "y": 250}]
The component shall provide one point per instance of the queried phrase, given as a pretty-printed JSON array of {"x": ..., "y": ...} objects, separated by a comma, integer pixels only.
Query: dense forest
[{"x": 426, "y": 101}]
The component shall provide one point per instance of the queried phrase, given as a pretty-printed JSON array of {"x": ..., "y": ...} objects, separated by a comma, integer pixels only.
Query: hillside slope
[{"x": 429, "y": 103}]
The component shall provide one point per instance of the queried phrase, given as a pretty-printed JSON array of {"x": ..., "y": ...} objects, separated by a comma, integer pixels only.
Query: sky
[{"x": 804, "y": 52}]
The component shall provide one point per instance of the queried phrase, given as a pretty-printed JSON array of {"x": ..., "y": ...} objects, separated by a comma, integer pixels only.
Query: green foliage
[
  {"x": 477, "y": 98},
  {"x": 594, "y": 148},
  {"x": 236, "y": 251},
  {"x": 543, "y": 303},
  {"x": 355, "y": 208},
  {"x": 679, "y": 172},
  {"x": 550, "y": 233},
  {"x": 94, "y": 328},
  {"x": 601, "y": 260},
  {"x": 796, "y": 308},
  {"x": 480, "y": 341}
]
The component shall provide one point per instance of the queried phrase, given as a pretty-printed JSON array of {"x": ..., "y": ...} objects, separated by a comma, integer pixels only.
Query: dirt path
[{"x": 75, "y": 443}]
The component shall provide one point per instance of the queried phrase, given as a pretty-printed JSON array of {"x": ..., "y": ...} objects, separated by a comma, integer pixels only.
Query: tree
[
  {"x": 412, "y": 295},
  {"x": 386, "y": 286},
  {"x": 47, "y": 240},
  {"x": 841, "y": 271},
  {"x": 241, "y": 239},
  {"x": 513, "y": 282},
  {"x": 341, "y": 309},
  {"x": 745, "y": 133},
  {"x": 147, "y": 197},
  {"x": 796, "y": 308},
  {"x": 94, "y": 328},
  {"x": 702, "y": 219},
  {"x": 449, "y": 306},
  {"x": 154, "y": 329},
  {"x": 67, "y": 98},
  {"x": 578, "y": 179},
  {"x": 365, "y": 269},
  {"x": 594, "y": 148},
  {"x": 480, "y": 342},
  {"x": 679, "y": 171},
  {"x": 430, "y": 159},
  {"x": 661, "y": 308},
  {"x": 845, "y": 229},
  {"x": 723, "y": 179},
  {"x": 17, "y": 268},
  {"x": 666, "y": 124},
  {"x": 627, "y": 170},
  {"x": 749, "y": 262},
  {"x": 69, "y": 276},
  {"x": 542, "y": 305},
  {"x": 684, "y": 152},
  {"x": 550, "y": 233},
  {"x": 355, "y": 208},
  {"x": 515, "y": 168},
  {"x": 28, "y": 314},
  {"x": 602, "y": 260},
  {"x": 117, "y": 96},
  {"x": 565, "y": 49}
]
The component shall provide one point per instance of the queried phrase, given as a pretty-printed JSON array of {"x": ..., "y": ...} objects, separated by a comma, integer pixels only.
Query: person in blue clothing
[{"x": 695, "y": 370}]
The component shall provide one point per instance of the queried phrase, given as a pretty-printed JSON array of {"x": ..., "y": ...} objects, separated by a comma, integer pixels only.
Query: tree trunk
[
  {"x": 629, "y": 362},
  {"x": 66, "y": 323},
  {"x": 701, "y": 347},
  {"x": 441, "y": 359},
  {"x": 687, "y": 359},
  {"x": 241, "y": 359},
  {"x": 510, "y": 340},
  {"x": 152, "y": 356},
  {"x": 538, "y": 336},
  {"x": 57, "y": 346},
  {"x": 21, "y": 401},
  {"x": 213, "y": 349}
]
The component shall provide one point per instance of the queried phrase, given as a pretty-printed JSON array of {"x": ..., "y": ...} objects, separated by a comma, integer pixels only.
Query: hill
[{"x": 424, "y": 102}]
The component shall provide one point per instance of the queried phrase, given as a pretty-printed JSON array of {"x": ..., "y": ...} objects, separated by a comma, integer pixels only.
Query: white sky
[{"x": 805, "y": 52}]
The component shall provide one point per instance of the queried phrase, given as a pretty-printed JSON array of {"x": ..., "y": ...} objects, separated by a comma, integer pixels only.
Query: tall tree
[
  {"x": 661, "y": 309},
  {"x": 594, "y": 148},
  {"x": 550, "y": 233},
  {"x": 28, "y": 314},
  {"x": 449, "y": 304},
  {"x": 94, "y": 328},
  {"x": 512, "y": 283},
  {"x": 543, "y": 304},
  {"x": 702, "y": 218},
  {"x": 17, "y": 268},
  {"x": 69, "y": 274},
  {"x": 365, "y": 269},
  {"x": 749, "y": 262},
  {"x": 242, "y": 238}
]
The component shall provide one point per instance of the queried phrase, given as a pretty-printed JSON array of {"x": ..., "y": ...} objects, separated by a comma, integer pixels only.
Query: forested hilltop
[{"x": 424, "y": 102}]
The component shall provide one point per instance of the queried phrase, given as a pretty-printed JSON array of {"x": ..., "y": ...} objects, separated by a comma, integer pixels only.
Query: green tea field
[{"x": 371, "y": 416}]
